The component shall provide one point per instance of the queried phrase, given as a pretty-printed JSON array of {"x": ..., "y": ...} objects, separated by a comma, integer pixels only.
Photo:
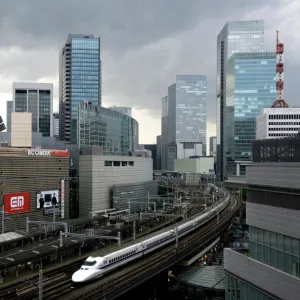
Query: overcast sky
[{"x": 145, "y": 43}]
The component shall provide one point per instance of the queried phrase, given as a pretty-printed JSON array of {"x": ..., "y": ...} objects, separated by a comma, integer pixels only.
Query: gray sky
[{"x": 145, "y": 43}]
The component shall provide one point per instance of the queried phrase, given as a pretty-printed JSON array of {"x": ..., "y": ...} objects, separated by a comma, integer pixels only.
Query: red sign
[
  {"x": 60, "y": 153},
  {"x": 17, "y": 203}
]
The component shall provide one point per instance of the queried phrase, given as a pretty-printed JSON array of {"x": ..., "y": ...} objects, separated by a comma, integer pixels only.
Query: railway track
[
  {"x": 58, "y": 284},
  {"x": 14, "y": 291},
  {"x": 123, "y": 279}
]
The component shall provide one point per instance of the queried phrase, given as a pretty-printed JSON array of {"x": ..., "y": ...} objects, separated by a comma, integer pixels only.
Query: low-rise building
[
  {"x": 202, "y": 164},
  {"x": 278, "y": 122},
  {"x": 99, "y": 174},
  {"x": 32, "y": 182}
]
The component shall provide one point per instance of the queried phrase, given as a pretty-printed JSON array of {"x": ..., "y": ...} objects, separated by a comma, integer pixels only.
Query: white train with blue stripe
[{"x": 95, "y": 267}]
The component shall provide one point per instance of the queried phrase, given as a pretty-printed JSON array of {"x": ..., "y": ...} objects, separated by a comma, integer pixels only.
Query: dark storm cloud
[
  {"x": 122, "y": 23},
  {"x": 145, "y": 43}
]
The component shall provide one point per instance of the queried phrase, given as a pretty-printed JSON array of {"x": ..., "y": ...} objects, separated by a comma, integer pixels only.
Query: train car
[
  {"x": 158, "y": 241},
  {"x": 95, "y": 267}
]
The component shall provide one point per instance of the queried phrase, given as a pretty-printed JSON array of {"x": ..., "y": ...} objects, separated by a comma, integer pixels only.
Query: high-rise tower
[
  {"x": 79, "y": 80},
  {"x": 235, "y": 37},
  {"x": 36, "y": 98}
]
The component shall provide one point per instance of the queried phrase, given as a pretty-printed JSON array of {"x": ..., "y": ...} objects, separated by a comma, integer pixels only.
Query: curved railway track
[
  {"x": 58, "y": 284},
  {"x": 120, "y": 281}
]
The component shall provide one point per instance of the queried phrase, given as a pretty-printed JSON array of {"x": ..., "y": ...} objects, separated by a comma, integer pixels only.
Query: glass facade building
[
  {"x": 183, "y": 117},
  {"x": 270, "y": 268},
  {"x": 250, "y": 87},
  {"x": 235, "y": 37},
  {"x": 36, "y": 98},
  {"x": 115, "y": 132},
  {"x": 80, "y": 80}
]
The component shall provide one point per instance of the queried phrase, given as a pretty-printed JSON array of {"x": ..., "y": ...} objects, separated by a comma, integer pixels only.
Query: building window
[
  {"x": 131, "y": 163},
  {"x": 108, "y": 163},
  {"x": 117, "y": 163}
]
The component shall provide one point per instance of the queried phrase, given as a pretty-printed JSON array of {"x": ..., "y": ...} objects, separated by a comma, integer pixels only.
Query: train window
[{"x": 89, "y": 263}]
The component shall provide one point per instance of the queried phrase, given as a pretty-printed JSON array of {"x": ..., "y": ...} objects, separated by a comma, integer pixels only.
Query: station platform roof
[
  {"x": 51, "y": 246},
  {"x": 208, "y": 277},
  {"x": 21, "y": 234}
]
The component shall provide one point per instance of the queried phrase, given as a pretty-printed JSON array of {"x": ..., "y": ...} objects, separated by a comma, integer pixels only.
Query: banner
[{"x": 62, "y": 197}]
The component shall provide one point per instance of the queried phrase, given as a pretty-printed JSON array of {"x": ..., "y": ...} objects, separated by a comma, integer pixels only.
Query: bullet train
[{"x": 96, "y": 267}]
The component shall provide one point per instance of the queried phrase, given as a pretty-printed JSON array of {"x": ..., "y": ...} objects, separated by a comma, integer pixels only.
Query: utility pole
[
  {"x": 133, "y": 231},
  {"x": 2, "y": 219},
  {"x": 41, "y": 284}
]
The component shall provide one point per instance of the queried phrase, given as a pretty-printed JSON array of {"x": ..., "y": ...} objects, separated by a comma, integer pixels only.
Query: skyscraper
[
  {"x": 36, "y": 98},
  {"x": 9, "y": 109},
  {"x": 56, "y": 125},
  {"x": 184, "y": 119},
  {"x": 250, "y": 87},
  {"x": 79, "y": 80},
  {"x": 212, "y": 145},
  {"x": 235, "y": 37}
]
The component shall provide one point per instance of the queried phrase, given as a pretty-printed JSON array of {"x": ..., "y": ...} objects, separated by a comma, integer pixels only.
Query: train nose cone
[{"x": 78, "y": 277}]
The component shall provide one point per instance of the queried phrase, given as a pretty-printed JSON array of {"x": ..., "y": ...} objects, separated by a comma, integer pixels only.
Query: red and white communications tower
[{"x": 279, "y": 102}]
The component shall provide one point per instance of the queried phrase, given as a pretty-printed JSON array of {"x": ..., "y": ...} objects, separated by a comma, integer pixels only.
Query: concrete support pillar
[{"x": 237, "y": 169}]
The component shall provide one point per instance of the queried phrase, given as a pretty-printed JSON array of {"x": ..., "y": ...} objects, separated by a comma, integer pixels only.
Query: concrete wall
[
  {"x": 261, "y": 127},
  {"x": 186, "y": 153},
  {"x": 138, "y": 191},
  {"x": 269, "y": 279},
  {"x": 277, "y": 219},
  {"x": 96, "y": 178},
  {"x": 274, "y": 174},
  {"x": 21, "y": 129},
  {"x": 194, "y": 165}
]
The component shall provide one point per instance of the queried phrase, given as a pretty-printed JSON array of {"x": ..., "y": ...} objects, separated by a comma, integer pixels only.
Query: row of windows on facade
[
  {"x": 283, "y": 134},
  {"x": 283, "y": 129},
  {"x": 276, "y": 117},
  {"x": 236, "y": 290},
  {"x": 116, "y": 163},
  {"x": 278, "y": 259},
  {"x": 284, "y": 123}
]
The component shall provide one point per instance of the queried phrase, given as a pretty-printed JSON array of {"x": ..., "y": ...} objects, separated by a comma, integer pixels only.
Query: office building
[
  {"x": 112, "y": 180},
  {"x": 122, "y": 109},
  {"x": 235, "y": 37},
  {"x": 213, "y": 145},
  {"x": 202, "y": 165},
  {"x": 184, "y": 119},
  {"x": 35, "y": 176},
  {"x": 246, "y": 95},
  {"x": 278, "y": 123},
  {"x": 158, "y": 153},
  {"x": 79, "y": 80},
  {"x": 21, "y": 126},
  {"x": 164, "y": 132},
  {"x": 56, "y": 125},
  {"x": 9, "y": 110},
  {"x": 153, "y": 149},
  {"x": 36, "y": 98},
  {"x": 115, "y": 132},
  {"x": 270, "y": 270},
  {"x": 2, "y": 125}
]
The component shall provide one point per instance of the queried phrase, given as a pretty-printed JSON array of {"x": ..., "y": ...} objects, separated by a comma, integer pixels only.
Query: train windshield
[{"x": 89, "y": 263}]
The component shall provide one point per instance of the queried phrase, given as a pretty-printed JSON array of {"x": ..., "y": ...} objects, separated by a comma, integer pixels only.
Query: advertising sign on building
[
  {"x": 17, "y": 203},
  {"x": 47, "y": 199},
  {"x": 62, "y": 195},
  {"x": 53, "y": 153}
]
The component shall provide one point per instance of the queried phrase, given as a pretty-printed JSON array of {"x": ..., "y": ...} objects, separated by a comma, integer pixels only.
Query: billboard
[
  {"x": 62, "y": 194},
  {"x": 53, "y": 153},
  {"x": 17, "y": 203},
  {"x": 47, "y": 199}
]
